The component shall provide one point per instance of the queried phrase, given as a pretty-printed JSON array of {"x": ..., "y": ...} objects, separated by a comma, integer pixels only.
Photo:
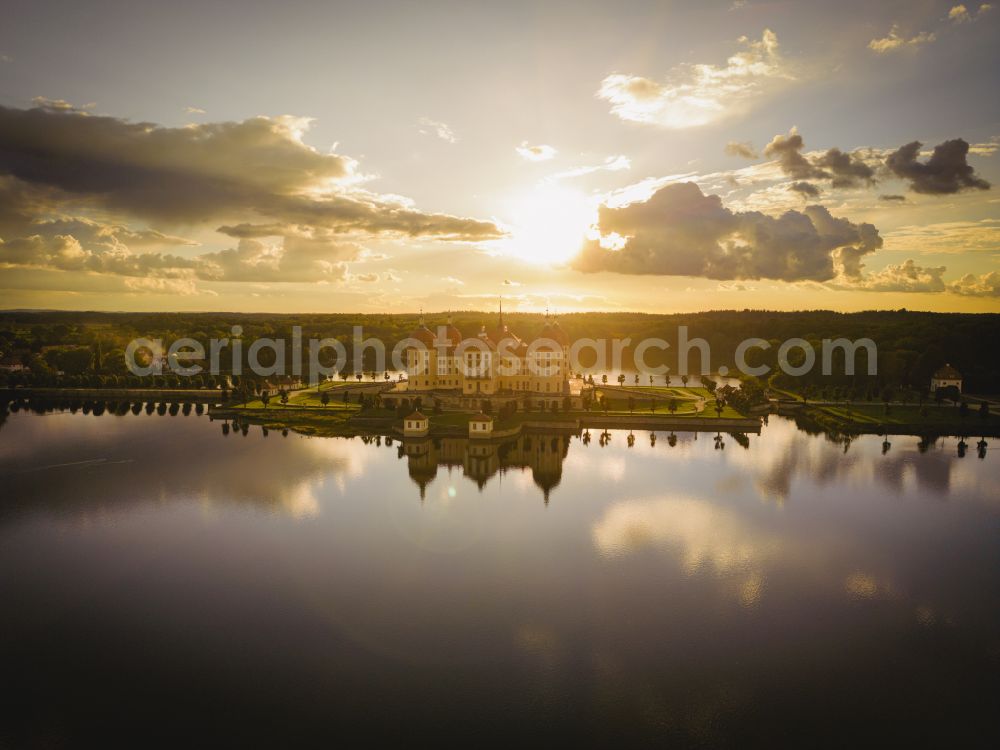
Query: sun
[{"x": 549, "y": 224}]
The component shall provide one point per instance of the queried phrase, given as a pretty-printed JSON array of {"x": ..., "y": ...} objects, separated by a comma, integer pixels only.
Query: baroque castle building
[{"x": 494, "y": 362}]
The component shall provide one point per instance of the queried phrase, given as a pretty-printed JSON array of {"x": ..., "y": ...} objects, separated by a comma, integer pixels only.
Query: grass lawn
[
  {"x": 874, "y": 414},
  {"x": 657, "y": 391},
  {"x": 338, "y": 385}
]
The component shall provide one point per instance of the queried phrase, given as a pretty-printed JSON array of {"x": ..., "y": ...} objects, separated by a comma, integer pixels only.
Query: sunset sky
[{"x": 392, "y": 156}]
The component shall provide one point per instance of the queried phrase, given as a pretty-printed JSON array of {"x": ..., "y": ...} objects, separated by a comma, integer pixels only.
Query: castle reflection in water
[{"x": 543, "y": 454}]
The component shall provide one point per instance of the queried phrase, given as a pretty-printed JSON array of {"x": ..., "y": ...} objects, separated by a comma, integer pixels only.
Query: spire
[{"x": 421, "y": 321}]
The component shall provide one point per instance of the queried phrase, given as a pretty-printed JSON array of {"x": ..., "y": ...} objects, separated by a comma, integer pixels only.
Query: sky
[{"x": 393, "y": 156}]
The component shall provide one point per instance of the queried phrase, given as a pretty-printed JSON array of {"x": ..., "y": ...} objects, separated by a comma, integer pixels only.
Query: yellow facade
[{"x": 491, "y": 363}]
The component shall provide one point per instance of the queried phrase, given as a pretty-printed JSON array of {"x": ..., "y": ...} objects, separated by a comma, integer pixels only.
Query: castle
[{"x": 495, "y": 362}]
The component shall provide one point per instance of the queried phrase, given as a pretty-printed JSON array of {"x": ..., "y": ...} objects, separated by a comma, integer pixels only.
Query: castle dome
[
  {"x": 554, "y": 331},
  {"x": 423, "y": 334}
]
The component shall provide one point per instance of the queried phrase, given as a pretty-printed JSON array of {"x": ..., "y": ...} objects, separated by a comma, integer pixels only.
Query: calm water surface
[{"x": 161, "y": 581}]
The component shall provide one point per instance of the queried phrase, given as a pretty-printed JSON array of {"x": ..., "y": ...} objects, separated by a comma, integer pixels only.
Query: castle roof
[
  {"x": 552, "y": 330},
  {"x": 452, "y": 334},
  {"x": 947, "y": 373},
  {"x": 423, "y": 334}
]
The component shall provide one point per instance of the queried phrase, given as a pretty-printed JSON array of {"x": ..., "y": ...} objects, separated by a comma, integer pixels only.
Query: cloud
[
  {"x": 6, "y": 59},
  {"x": 842, "y": 169},
  {"x": 295, "y": 259},
  {"x": 960, "y": 14},
  {"x": 742, "y": 149},
  {"x": 541, "y": 152},
  {"x": 896, "y": 41},
  {"x": 960, "y": 237},
  {"x": 893, "y": 198},
  {"x": 847, "y": 170},
  {"x": 698, "y": 94},
  {"x": 427, "y": 126},
  {"x": 206, "y": 172},
  {"x": 194, "y": 110},
  {"x": 987, "y": 285},
  {"x": 679, "y": 231},
  {"x": 611, "y": 164},
  {"x": 60, "y": 105},
  {"x": 805, "y": 189},
  {"x": 177, "y": 287},
  {"x": 945, "y": 172},
  {"x": 788, "y": 151},
  {"x": 508, "y": 282},
  {"x": 904, "y": 277}
]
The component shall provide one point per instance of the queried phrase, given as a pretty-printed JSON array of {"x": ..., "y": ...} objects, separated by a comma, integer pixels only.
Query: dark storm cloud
[
  {"x": 842, "y": 169},
  {"x": 805, "y": 189},
  {"x": 893, "y": 198},
  {"x": 680, "y": 231},
  {"x": 204, "y": 172},
  {"x": 788, "y": 151},
  {"x": 945, "y": 172},
  {"x": 846, "y": 169}
]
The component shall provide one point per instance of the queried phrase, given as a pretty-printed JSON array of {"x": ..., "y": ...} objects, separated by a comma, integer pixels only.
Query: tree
[
  {"x": 672, "y": 406},
  {"x": 952, "y": 394},
  {"x": 984, "y": 409},
  {"x": 265, "y": 397},
  {"x": 284, "y": 396},
  {"x": 324, "y": 398},
  {"x": 631, "y": 404},
  {"x": 604, "y": 379},
  {"x": 684, "y": 380},
  {"x": 621, "y": 380},
  {"x": 718, "y": 408},
  {"x": 637, "y": 378}
]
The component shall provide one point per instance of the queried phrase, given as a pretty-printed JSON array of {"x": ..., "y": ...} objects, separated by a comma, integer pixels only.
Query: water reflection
[
  {"x": 67, "y": 464},
  {"x": 671, "y": 589},
  {"x": 541, "y": 454}
]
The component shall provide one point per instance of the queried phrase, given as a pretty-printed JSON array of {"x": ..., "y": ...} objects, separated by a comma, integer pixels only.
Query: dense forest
[{"x": 87, "y": 348}]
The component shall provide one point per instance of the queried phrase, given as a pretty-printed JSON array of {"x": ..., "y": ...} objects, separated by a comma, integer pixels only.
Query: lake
[{"x": 163, "y": 582}]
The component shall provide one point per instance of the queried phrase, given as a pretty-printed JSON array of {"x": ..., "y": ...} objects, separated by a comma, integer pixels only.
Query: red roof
[
  {"x": 947, "y": 373},
  {"x": 424, "y": 335},
  {"x": 552, "y": 330}
]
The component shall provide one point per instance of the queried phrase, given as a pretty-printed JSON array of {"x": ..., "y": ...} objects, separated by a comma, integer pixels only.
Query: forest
[{"x": 86, "y": 349}]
